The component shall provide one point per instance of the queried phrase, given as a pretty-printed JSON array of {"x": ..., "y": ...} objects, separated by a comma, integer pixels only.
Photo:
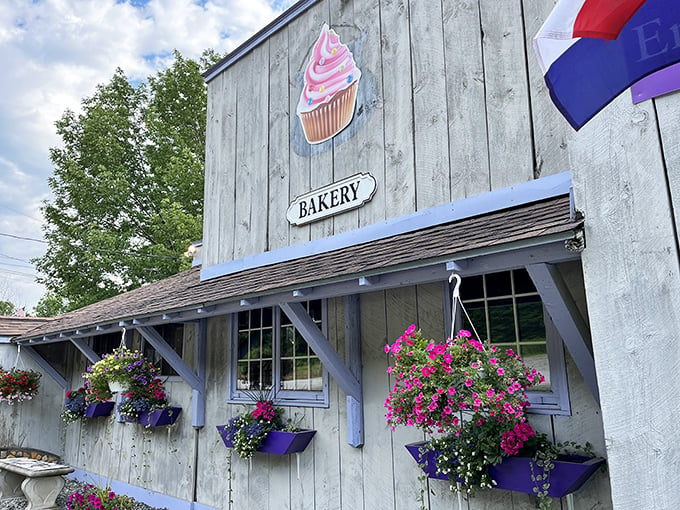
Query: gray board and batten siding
[
  {"x": 452, "y": 105},
  {"x": 456, "y": 106},
  {"x": 442, "y": 114}
]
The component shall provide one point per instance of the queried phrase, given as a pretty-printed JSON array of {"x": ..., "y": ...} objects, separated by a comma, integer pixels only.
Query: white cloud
[{"x": 55, "y": 52}]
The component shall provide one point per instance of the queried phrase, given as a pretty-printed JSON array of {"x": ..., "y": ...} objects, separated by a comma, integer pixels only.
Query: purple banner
[{"x": 656, "y": 84}]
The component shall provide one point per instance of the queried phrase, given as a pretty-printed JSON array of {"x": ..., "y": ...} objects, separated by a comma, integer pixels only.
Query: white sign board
[{"x": 335, "y": 198}]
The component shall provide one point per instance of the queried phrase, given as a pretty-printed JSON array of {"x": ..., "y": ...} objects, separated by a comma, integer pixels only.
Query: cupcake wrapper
[{"x": 330, "y": 118}]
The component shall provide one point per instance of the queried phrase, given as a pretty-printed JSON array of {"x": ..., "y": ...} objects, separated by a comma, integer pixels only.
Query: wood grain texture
[
  {"x": 251, "y": 200},
  {"x": 508, "y": 119},
  {"x": 279, "y": 141},
  {"x": 631, "y": 277},
  {"x": 465, "y": 95},
  {"x": 397, "y": 90},
  {"x": 430, "y": 115}
]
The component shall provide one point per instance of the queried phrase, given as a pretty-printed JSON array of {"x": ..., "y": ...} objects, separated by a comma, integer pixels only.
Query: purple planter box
[
  {"x": 159, "y": 417},
  {"x": 99, "y": 409},
  {"x": 278, "y": 442},
  {"x": 514, "y": 473}
]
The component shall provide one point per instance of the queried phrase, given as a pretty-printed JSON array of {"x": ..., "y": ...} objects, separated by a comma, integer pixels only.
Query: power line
[
  {"x": 15, "y": 265},
  {"x": 19, "y": 273},
  {"x": 23, "y": 238},
  {"x": 19, "y": 212},
  {"x": 14, "y": 258},
  {"x": 100, "y": 250}
]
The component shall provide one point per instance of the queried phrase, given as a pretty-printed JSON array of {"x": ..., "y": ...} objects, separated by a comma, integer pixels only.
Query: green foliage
[
  {"x": 50, "y": 305},
  {"x": 7, "y": 308},
  {"x": 127, "y": 185}
]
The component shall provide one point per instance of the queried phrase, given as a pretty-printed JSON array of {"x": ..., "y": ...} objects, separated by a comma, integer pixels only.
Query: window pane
[
  {"x": 300, "y": 345},
  {"x": 267, "y": 344},
  {"x": 267, "y": 319},
  {"x": 316, "y": 371},
  {"x": 472, "y": 288},
  {"x": 287, "y": 341},
  {"x": 243, "y": 345},
  {"x": 255, "y": 319},
  {"x": 536, "y": 356},
  {"x": 243, "y": 320},
  {"x": 530, "y": 319},
  {"x": 478, "y": 316},
  {"x": 502, "y": 321},
  {"x": 287, "y": 375},
  {"x": 302, "y": 374},
  {"x": 242, "y": 376},
  {"x": 523, "y": 283},
  {"x": 498, "y": 284},
  {"x": 254, "y": 352}
]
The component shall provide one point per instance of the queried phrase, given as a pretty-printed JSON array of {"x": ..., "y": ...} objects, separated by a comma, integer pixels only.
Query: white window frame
[{"x": 293, "y": 398}]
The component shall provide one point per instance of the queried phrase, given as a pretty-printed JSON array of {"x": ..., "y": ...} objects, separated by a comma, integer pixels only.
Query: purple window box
[
  {"x": 159, "y": 417},
  {"x": 278, "y": 442},
  {"x": 514, "y": 473},
  {"x": 99, "y": 409}
]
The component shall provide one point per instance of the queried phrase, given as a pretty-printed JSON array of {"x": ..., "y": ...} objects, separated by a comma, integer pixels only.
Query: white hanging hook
[
  {"x": 456, "y": 289},
  {"x": 455, "y": 298},
  {"x": 122, "y": 338}
]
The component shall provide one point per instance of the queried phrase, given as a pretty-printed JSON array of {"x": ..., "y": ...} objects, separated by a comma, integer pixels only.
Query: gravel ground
[{"x": 70, "y": 487}]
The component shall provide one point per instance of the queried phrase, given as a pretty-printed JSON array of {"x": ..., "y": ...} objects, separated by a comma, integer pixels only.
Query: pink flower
[
  {"x": 500, "y": 371},
  {"x": 452, "y": 390},
  {"x": 469, "y": 382},
  {"x": 493, "y": 361},
  {"x": 510, "y": 444},
  {"x": 464, "y": 332},
  {"x": 524, "y": 431}
]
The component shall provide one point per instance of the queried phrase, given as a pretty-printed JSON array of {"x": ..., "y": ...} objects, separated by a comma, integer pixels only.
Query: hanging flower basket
[
  {"x": 97, "y": 409},
  {"x": 277, "y": 442},
  {"x": 159, "y": 417},
  {"x": 17, "y": 385},
  {"x": 514, "y": 473}
]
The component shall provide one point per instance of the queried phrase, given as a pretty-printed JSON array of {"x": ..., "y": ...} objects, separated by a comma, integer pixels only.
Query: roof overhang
[{"x": 513, "y": 237}]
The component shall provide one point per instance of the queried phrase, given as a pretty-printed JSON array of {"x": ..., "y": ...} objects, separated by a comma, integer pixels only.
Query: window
[
  {"x": 173, "y": 334},
  {"x": 506, "y": 309},
  {"x": 268, "y": 352}
]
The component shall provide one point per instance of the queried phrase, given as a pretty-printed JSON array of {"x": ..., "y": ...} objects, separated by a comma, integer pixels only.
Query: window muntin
[
  {"x": 506, "y": 309},
  {"x": 271, "y": 353}
]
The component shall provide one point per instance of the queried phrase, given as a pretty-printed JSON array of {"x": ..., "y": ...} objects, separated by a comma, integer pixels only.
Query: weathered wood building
[{"x": 474, "y": 171}]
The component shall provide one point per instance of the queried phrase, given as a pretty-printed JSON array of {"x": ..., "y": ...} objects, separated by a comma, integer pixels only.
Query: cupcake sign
[{"x": 329, "y": 94}]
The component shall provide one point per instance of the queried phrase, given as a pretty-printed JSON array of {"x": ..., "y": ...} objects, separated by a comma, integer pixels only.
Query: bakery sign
[{"x": 335, "y": 198}]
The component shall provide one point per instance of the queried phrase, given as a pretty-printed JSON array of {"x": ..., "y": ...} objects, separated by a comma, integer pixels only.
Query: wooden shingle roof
[
  {"x": 184, "y": 291},
  {"x": 16, "y": 326}
]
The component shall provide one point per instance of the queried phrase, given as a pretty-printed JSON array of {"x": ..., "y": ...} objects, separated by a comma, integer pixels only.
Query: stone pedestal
[{"x": 39, "y": 481}]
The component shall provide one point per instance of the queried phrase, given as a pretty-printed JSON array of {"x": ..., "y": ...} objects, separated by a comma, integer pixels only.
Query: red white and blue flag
[{"x": 592, "y": 50}]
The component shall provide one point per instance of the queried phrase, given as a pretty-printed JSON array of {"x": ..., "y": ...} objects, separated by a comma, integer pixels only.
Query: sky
[{"x": 53, "y": 53}]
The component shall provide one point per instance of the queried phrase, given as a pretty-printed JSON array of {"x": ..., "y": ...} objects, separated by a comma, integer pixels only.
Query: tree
[
  {"x": 127, "y": 185},
  {"x": 7, "y": 308},
  {"x": 50, "y": 305}
]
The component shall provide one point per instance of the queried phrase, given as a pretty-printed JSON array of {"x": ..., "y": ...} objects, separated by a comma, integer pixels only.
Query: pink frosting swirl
[{"x": 330, "y": 70}]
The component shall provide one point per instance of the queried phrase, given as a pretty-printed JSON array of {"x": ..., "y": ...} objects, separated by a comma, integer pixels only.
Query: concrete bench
[{"x": 39, "y": 481}]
